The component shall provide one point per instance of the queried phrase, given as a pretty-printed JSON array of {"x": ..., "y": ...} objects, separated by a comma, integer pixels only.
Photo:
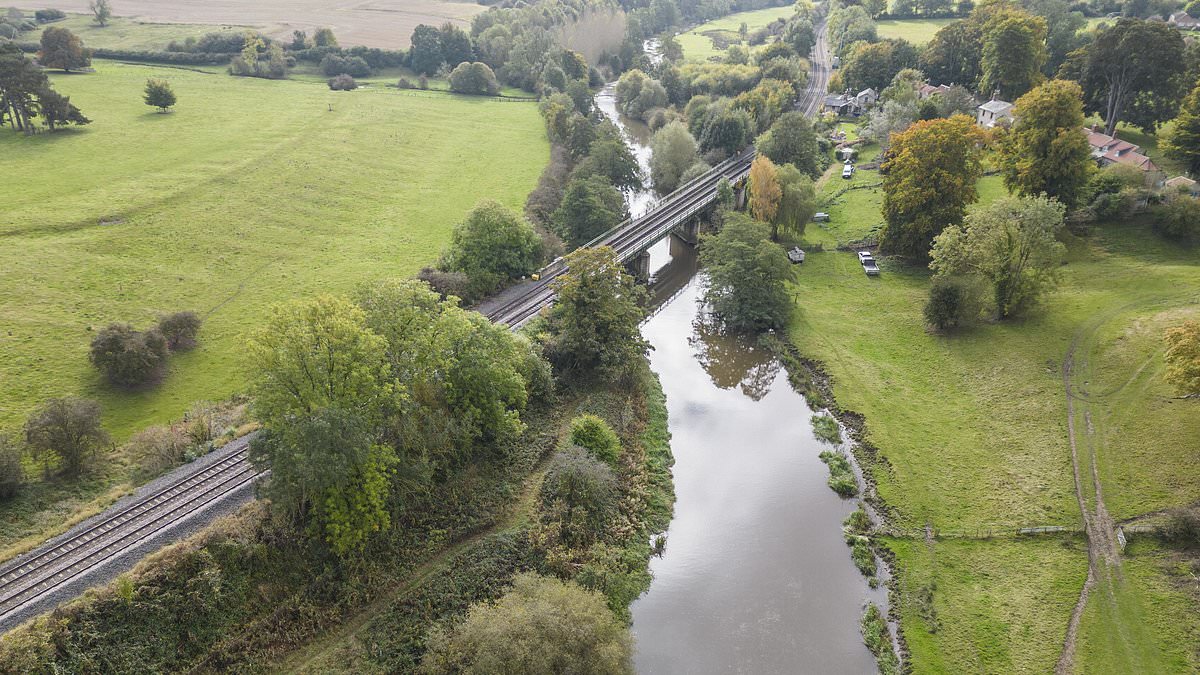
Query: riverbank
[{"x": 971, "y": 437}]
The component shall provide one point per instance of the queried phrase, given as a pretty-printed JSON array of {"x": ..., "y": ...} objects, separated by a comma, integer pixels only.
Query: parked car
[
  {"x": 864, "y": 255},
  {"x": 821, "y": 217},
  {"x": 869, "y": 266},
  {"x": 848, "y": 171},
  {"x": 796, "y": 255}
]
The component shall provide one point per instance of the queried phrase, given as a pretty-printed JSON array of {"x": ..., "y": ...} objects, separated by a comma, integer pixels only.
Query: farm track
[
  {"x": 1104, "y": 555},
  {"x": 42, "y": 573}
]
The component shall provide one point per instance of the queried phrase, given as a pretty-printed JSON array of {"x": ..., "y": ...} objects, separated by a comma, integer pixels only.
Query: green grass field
[
  {"x": 123, "y": 33},
  {"x": 249, "y": 193},
  {"x": 916, "y": 31},
  {"x": 699, "y": 47},
  {"x": 973, "y": 427}
]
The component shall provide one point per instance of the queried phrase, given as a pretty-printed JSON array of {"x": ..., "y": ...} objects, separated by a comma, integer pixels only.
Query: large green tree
[
  {"x": 466, "y": 380},
  {"x": 596, "y": 319},
  {"x": 798, "y": 203},
  {"x": 1182, "y": 140},
  {"x": 1011, "y": 244},
  {"x": 491, "y": 246},
  {"x": 1014, "y": 51},
  {"x": 1132, "y": 72},
  {"x": 929, "y": 179},
  {"x": 953, "y": 55},
  {"x": 748, "y": 276},
  {"x": 875, "y": 64},
  {"x": 590, "y": 207},
  {"x": 1046, "y": 150},
  {"x": 322, "y": 390},
  {"x": 425, "y": 55},
  {"x": 792, "y": 140},
  {"x": 672, "y": 151}
]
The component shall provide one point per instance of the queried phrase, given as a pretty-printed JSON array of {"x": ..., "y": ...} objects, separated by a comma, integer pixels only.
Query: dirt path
[{"x": 1104, "y": 556}]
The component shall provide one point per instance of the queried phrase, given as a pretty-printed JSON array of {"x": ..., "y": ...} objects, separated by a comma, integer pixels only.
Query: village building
[
  {"x": 1182, "y": 185},
  {"x": 994, "y": 113},
  {"x": 1108, "y": 150}
]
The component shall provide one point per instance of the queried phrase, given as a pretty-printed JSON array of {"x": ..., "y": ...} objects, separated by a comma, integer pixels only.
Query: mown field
[
  {"x": 973, "y": 427},
  {"x": 250, "y": 192},
  {"x": 380, "y": 23},
  {"x": 916, "y": 31},
  {"x": 126, "y": 33},
  {"x": 699, "y": 47}
]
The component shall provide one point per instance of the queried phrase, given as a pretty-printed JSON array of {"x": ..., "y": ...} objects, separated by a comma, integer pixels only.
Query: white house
[
  {"x": 867, "y": 97},
  {"x": 994, "y": 112}
]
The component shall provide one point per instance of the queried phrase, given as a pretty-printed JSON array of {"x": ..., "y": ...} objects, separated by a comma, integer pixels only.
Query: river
[{"x": 755, "y": 577}]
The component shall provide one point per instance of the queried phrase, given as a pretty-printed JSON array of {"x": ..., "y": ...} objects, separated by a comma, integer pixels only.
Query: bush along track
[{"x": 847, "y": 470}]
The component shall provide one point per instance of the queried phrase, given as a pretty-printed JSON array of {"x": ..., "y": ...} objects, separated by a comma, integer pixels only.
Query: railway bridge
[{"x": 632, "y": 239}]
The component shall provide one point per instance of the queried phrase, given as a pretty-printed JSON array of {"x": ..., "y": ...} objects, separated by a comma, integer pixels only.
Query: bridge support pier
[
  {"x": 639, "y": 267},
  {"x": 689, "y": 231}
]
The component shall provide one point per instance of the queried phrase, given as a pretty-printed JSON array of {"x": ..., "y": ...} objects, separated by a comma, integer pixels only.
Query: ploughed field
[
  {"x": 375, "y": 23},
  {"x": 250, "y": 192}
]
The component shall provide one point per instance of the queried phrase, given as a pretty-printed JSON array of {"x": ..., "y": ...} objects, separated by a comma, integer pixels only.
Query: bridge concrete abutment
[
  {"x": 639, "y": 267},
  {"x": 739, "y": 198}
]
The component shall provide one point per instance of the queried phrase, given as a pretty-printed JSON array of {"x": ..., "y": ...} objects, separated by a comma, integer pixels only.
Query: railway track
[{"x": 35, "y": 575}]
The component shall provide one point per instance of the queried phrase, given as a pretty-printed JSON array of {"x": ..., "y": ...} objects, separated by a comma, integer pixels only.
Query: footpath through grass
[
  {"x": 973, "y": 430},
  {"x": 248, "y": 193}
]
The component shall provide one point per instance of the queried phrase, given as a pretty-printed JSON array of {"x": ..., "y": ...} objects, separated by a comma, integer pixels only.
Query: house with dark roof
[{"x": 843, "y": 105}]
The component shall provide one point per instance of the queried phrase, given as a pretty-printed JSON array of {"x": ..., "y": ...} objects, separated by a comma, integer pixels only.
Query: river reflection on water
[{"x": 755, "y": 577}]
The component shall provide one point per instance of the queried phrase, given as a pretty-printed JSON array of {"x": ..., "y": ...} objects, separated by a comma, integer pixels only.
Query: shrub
[
  {"x": 179, "y": 329},
  {"x": 48, "y": 15},
  {"x": 857, "y": 523},
  {"x": 863, "y": 557},
  {"x": 159, "y": 448},
  {"x": 423, "y": 82},
  {"x": 878, "y": 638},
  {"x": 353, "y": 66},
  {"x": 1183, "y": 357},
  {"x": 841, "y": 474},
  {"x": 543, "y": 625},
  {"x": 580, "y": 493},
  {"x": 474, "y": 78},
  {"x": 127, "y": 357},
  {"x": 448, "y": 284},
  {"x": 826, "y": 428},
  {"x": 406, "y": 83},
  {"x": 594, "y": 435},
  {"x": 1178, "y": 218},
  {"x": 1183, "y": 527},
  {"x": 66, "y": 428},
  {"x": 948, "y": 304},
  {"x": 11, "y": 473},
  {"x": 342, "y": 83},
  {"x": 492, "y": 245}
]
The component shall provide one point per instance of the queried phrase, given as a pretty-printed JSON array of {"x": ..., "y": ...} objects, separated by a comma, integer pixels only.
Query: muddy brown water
[{"x": 755, "y": 577}]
